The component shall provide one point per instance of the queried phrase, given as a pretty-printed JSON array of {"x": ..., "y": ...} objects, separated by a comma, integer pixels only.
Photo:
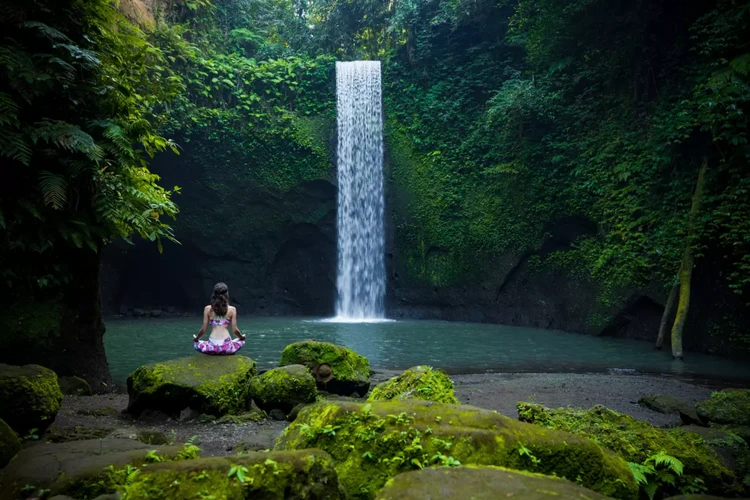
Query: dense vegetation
[{"x": 501, "y": 118}]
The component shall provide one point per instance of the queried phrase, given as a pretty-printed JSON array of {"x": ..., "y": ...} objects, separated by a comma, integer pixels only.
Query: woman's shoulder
[
  {"x": 207, "y": 308},
  {"x": 232, "y": 309}
]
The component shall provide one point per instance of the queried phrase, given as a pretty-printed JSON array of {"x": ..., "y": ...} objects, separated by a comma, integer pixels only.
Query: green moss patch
[
  {"x": 481, "y": 483},
  {"x": 29, "y": 397},
  {"x": 730, "y": 406},
  {"x": 335, "y": 368},
  {"x": 418, "y": 382},
  {"x": 374, "y": 442},
  {"x": 302, "y": 475},
  {"x": 635, "y": 440},
  {"x": 214, "y": 385},
  {"x": 283, "y": 388}
]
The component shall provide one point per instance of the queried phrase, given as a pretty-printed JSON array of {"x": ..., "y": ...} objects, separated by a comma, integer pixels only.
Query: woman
[{"x": 219, "y": 314}]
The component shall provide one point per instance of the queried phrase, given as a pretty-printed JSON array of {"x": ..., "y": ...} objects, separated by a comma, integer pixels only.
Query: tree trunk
[
  {"x": 82, "y": 327},
  {"x": 686, "y": 270},
  {"x": 668, "y": 308}
]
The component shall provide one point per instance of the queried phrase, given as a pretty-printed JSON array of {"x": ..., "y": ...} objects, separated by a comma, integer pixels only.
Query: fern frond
[
  {"x": 741, "y": 64},
  {"x": 83, "y": 56},
  {"x": 47, "y": 31},
  {"x": 639, "y": 473},
  {"x": 68, "y": 137},
  {"x": 54, "y": 189},
  {"x": 8, "y": 110},
  {"x": 671, "y": 462},
  {"x": 14, "y": 146}
]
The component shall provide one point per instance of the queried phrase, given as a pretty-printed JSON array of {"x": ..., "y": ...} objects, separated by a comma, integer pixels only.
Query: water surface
[{"x": 452, "y": 346}]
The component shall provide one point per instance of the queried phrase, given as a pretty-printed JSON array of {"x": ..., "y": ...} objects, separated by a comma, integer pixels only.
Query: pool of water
[{"x": 454, "y": 347}]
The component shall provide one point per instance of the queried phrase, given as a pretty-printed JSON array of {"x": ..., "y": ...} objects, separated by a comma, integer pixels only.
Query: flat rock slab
[
  {"x": 300, "y": 475},
  {"x": 481, "y": 483},
  {"x": 670, "y": 405},
  {"x": 215, "y": 385},
  {"x": 60, "y": 466}
]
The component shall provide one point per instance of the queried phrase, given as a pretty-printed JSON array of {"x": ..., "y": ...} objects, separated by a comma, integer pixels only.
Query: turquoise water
[{"x": 454, "y": 347}]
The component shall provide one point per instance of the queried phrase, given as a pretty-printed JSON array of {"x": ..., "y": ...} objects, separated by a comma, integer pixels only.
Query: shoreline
[{"x": 493, "y": 391}]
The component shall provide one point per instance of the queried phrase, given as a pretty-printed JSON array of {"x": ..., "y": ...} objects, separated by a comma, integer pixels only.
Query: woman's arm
[
  {"x": 236, "y": 330},
  {"x": 204, "y": 327}
]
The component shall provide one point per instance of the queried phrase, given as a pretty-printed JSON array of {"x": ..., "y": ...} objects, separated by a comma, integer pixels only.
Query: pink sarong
[{"x": 227, "y": 347}]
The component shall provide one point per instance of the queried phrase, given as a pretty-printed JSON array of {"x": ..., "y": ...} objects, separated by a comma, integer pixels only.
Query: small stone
[
  {"x": 277, "y": 414},
  {"x": 189, "y": 414},
  {"x": 74, "y": 386},
  {"x": 156, "y": 313},
  {"x": 138, "y": 313}
]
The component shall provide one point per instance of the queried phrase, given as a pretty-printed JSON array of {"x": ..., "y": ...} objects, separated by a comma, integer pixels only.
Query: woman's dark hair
[{"x": 220, "y": 299}]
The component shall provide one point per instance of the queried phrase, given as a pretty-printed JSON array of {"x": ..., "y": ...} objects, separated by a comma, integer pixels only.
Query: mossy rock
[
  {"x": 730, "y": 406},
  {"x": 9, "y": 443},
  {"x": 302, "y": 475},
  {"x": 670, "y": 406},
  {"x": 480, "y": 483},
  {"x": 29, "y": 397},
  {"x": 635, "y": 440},
  {"x": 215, "y": 385},
  {"x": 418, "y": 382},
  {"x": 74, "y": 386},
  {"x": 283, "y": 388},
  {"x": 335, "y": 368},
  {"x": 76, "y": 468},
  {"x": 374, "y": 442}
]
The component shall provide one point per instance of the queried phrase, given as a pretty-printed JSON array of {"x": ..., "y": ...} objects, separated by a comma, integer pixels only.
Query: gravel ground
[{"x": 496, "y": 391}]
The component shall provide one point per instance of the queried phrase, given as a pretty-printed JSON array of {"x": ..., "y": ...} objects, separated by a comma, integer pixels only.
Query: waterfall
[{"x": 361, "y": 266}]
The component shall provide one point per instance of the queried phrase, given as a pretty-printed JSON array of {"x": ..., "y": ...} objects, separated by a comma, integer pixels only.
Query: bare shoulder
[
  {"x": 207, "y": 309},
  {"x": 232, "y": 309}
]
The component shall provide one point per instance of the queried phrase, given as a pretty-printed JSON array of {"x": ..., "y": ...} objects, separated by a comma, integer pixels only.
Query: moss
[
  {"x": 98, "y": 412},
  {"x": 730, "y": 406},
  {"x": 9, "y": 443},
  {"x": 372, "y": 443},
  {"x": 306, "y": 474},
  {"x": 29, "y": 397},
  {"x": 335, "y": 368},
  {"x": 481, "y": 483},
  {"x": 74, "y": 386},
  {"x": 211, "y": 384},
  {"x": 635, "y": 441},
  {"x": 283, "y": 388},
  {"x": 419, "y": 382}
]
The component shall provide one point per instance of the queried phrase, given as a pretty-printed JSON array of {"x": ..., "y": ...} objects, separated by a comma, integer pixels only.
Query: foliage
[
  {"x": 81, "y": 96},
  {"x": 661, "y": 474}
]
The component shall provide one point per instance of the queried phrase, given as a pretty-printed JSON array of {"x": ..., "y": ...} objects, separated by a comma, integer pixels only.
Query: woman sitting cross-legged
[{"x": 219, "y": 315}]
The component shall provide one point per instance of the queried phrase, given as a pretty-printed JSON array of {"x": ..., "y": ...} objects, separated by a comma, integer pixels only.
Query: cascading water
[{"x": 361, "y": 265}]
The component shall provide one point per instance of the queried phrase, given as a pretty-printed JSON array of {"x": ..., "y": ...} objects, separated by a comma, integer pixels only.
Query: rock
[
  {"x": 277, "y": 415},
  {"x": 730, "y": 406},
  {"x": 480, "y": 483},
  {"x": 188, "y": 414},
  {"x": 731, "y": 448},
  {"x": 29, "y": 397},
  {"x": 144, "y": 436},
  {"x": 635, "y": 440},
  {"x": 9, "y": 443},
  {"x": 262, "y": 438},
  {"x": 242, "y": 418},
  {"x": 74, "y": 386},
  {"x": 156, "y": 313},
  {"x": 670, "y": 405},
  {"x": 98, "y": 412},
  {"x": 292, "y": 416},
  {"x": 419, "y": 382},
  {"x": 138, "y": 313},
  {"x": 66, "y": 434},
  {"x": 210, "y": 384},
  {"x": 335, "y": 368},
  {"x": 303, "y": 475},
  {"x": 283, "y": 388},
  {"x": 74, "y": 468},
  {"x": 373, "y": 442},
  {"x": 123, "y": 310}
]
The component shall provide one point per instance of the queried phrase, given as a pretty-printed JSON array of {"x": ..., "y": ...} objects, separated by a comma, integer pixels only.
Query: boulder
[
  {"x": 210, "y": 384},
  {"x": 74, "y": 386},
  {"x": 76, "y": 468},
  {"x": 374, "y": 442},
  {"x": 730, "y": 447},
  {"x": 480, "y": 483},
  {"x": 29, "y": 397},
  {"x": 635, "y": 440},
  {"x": 670, "y": 406},
  {"x": 143, "y": 435},
  {"x": 335, "y": 368},
  {"x": 302, "y": 475},
  {"x": 9, "y": 443},
  {"x": 283, "y": 388},
  {"x": 730, "y": 406},
  {"x": 418, "y": 382}
]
